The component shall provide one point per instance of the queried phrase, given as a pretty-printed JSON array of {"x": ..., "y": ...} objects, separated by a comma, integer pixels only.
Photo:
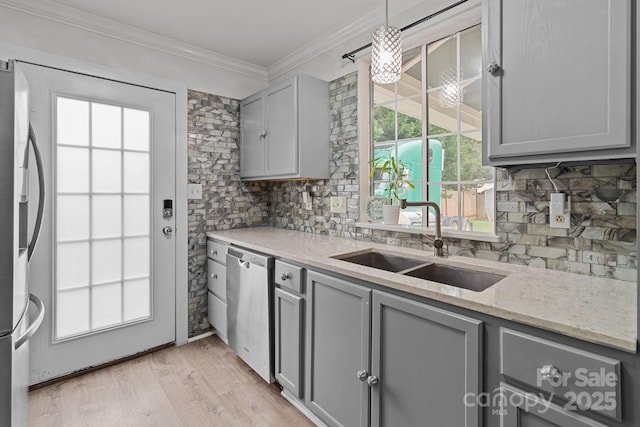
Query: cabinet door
[
  {"x": 521, "y": 409},
  {"x": 282, "y": 129},
  {"x": 563, "y": 86},
  {"x": 252, "y": 140},
  {"x": 338, "y": 333},
  {"x": 288, "y": 340},
  {"x": 426, "y": 361}
]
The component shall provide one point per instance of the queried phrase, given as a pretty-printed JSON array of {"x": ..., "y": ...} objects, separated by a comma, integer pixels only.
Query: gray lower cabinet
[
  {"x": 288, "y": 312},
  {"x": 558, "y": 82},
  {"x": 415, "y": 363},
  {"x": 338, "y": 319},
  {"x": 522, "y": 409},
  {"x": 426, "y": 360},
  {"x": 217, "y": 287}
]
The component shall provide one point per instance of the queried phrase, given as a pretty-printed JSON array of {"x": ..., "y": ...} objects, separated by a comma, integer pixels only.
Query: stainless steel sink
[
  {"x": 382, "y": 261},
  {"x": 472, "y": 280}
]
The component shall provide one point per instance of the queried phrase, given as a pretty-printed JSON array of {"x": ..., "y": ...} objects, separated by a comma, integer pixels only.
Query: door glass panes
[{"x": 103, "y": 245}]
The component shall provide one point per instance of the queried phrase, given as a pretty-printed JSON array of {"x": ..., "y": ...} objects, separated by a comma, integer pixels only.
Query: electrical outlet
[
  {"x": 307, "y": 200},
  {"x": 338, "y": 205},
  {"x": 194, "y": 191},
  {"x": 559, "y": 214}
]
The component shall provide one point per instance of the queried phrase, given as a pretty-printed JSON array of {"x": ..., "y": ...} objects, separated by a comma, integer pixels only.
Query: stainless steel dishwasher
[{"x": 248, "y": 309}]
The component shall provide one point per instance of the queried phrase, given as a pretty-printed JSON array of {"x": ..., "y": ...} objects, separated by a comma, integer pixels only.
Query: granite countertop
[{"x": 598, "y": 310}]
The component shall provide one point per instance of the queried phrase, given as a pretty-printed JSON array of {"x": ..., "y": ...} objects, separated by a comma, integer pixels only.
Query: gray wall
[{"x": 601, "y": 241}]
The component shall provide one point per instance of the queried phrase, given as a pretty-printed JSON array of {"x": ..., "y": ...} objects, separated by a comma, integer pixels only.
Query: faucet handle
[{"x": 438, "y": 244}]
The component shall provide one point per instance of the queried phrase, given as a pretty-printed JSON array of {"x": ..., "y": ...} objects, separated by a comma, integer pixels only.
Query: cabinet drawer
[
  {"x": 218, "y": 315},
  {"x": 587, "y": 380},
  {"x": 217, "y": 251},
  {"x": 288, "y": 276},
  {"x": 526, "y": 409},
  {"x": 217, "y": 279}
]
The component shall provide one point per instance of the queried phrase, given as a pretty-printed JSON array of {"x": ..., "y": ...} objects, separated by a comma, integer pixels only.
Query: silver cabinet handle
[
  {"x": 214, "y": 276},
  {"x": 285, "y": 276},
  {"x": 493, "y": 68},
  {"x": 33, "y": 327},
  {"x": 214, "y": 252},
  {"x": 362, "y": 375},
  {"x": 372, "y": 380},
  {"x": 244, "y": 264},
  {"x": 167, "y": 230},
  {"x": 550, "y": 373}
]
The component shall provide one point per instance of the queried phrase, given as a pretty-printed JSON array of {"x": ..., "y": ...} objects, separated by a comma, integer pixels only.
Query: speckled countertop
[{"x": 602, "y": 311}]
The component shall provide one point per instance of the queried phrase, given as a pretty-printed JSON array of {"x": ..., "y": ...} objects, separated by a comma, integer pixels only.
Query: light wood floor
[{"x": 198, "y": 384}]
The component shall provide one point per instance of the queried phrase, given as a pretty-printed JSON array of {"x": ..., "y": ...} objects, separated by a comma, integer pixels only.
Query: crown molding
[
  {"x": 79, "y": 19},
  {"x": 116, "y": 30},
  {"x": 365, "y": 24},
  {"x": 324, "y": 44}
]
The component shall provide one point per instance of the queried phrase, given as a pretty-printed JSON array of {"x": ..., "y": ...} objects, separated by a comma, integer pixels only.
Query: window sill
[{"x": 430, "y": 231}]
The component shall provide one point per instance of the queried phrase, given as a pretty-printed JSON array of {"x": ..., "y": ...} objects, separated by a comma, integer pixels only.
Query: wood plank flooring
[{"x": 198, "y": 384}]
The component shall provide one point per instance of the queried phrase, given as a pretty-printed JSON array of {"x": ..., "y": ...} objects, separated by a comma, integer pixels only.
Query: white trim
[
  {"x": 106, "y": 27},
  {"x": 201, "y": 336},
  {"x": 323, "y": 44},
  {"x": 8, "y": 51},
  {"x": 182, "y": 219},
  {"x": 452, "y": 234},
  {"x": 76, "y": 18}
]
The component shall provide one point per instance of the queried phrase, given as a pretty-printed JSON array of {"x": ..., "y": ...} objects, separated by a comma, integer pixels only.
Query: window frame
[{"x": 454, "y": 21}]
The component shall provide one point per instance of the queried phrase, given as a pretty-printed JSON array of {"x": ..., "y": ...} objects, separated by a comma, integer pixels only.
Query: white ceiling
[{"x": 259, "y": 32}]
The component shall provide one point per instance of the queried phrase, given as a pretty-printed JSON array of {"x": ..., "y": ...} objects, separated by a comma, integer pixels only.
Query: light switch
[{"x": 194, "y": 191}]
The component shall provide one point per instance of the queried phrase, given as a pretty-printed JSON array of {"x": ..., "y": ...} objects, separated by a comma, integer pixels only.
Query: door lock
[
  {"x": 167, "y": 208},
  {"x": 167, "y": 230}
]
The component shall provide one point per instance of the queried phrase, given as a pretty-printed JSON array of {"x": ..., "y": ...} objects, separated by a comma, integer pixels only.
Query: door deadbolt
[
  {"x": 167, "y": 230},
  {"x": 167, "y": 208}
]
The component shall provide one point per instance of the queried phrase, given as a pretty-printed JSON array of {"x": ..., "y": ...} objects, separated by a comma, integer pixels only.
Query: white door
[{"x": 104, "y": 266}]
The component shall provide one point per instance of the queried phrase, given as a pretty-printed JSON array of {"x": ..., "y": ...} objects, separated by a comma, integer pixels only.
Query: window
[{"x": 431, "y": 120}]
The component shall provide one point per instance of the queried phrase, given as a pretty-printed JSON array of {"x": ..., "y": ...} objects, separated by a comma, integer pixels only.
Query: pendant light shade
[{"x": 386, "y": 54}]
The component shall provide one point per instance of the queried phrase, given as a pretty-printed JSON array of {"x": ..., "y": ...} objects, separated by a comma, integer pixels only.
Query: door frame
[{"x": 11, "y": 51}]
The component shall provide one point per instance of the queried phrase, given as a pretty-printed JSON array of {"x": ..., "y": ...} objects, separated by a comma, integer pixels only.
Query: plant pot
[{"x": 390, "y": 214}]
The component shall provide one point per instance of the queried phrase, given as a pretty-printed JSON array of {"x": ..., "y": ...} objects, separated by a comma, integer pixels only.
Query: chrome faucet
[{"x": 438, "y": 244}]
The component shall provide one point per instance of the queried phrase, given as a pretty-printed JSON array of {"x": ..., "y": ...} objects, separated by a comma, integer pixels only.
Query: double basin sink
[{"x": 472, "y": 280}]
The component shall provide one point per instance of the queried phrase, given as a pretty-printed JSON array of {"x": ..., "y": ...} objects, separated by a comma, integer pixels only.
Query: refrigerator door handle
[
  {"x": 39, "y": 166},
  {"x": 33, "y": 327}
]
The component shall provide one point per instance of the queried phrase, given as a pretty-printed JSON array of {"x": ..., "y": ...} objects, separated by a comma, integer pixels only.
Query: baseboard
[
  {"x": 303, "y": 409},
  {"x": 201, "y": 336}
]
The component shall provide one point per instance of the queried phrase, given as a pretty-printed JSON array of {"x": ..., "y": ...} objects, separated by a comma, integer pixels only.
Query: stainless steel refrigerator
[{"x": 19, "y": 236}]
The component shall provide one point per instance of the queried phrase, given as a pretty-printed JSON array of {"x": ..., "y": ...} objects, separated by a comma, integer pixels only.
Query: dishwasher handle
[{"x": 246, "y": 259}]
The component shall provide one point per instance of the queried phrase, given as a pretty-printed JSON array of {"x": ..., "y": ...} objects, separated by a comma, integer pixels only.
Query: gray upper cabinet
[
  {"x": 557, "y": 81},
  {"x": 426, "y": 360},
  {"x": 284, "y": 131},
  {"x": 338, "y": 333}
]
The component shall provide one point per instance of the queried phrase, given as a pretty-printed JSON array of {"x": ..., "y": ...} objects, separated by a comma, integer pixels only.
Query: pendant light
[{"x": 386, "y": 52}]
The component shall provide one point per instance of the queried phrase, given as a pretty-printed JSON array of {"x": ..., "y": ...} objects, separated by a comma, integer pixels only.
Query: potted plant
[{"x": 395, "y": 174}]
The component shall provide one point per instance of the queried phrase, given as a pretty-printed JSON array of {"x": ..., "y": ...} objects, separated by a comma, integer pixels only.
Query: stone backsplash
[
  {"x": 213, "y": 135},
  {"x": 600, "y": 242}
]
